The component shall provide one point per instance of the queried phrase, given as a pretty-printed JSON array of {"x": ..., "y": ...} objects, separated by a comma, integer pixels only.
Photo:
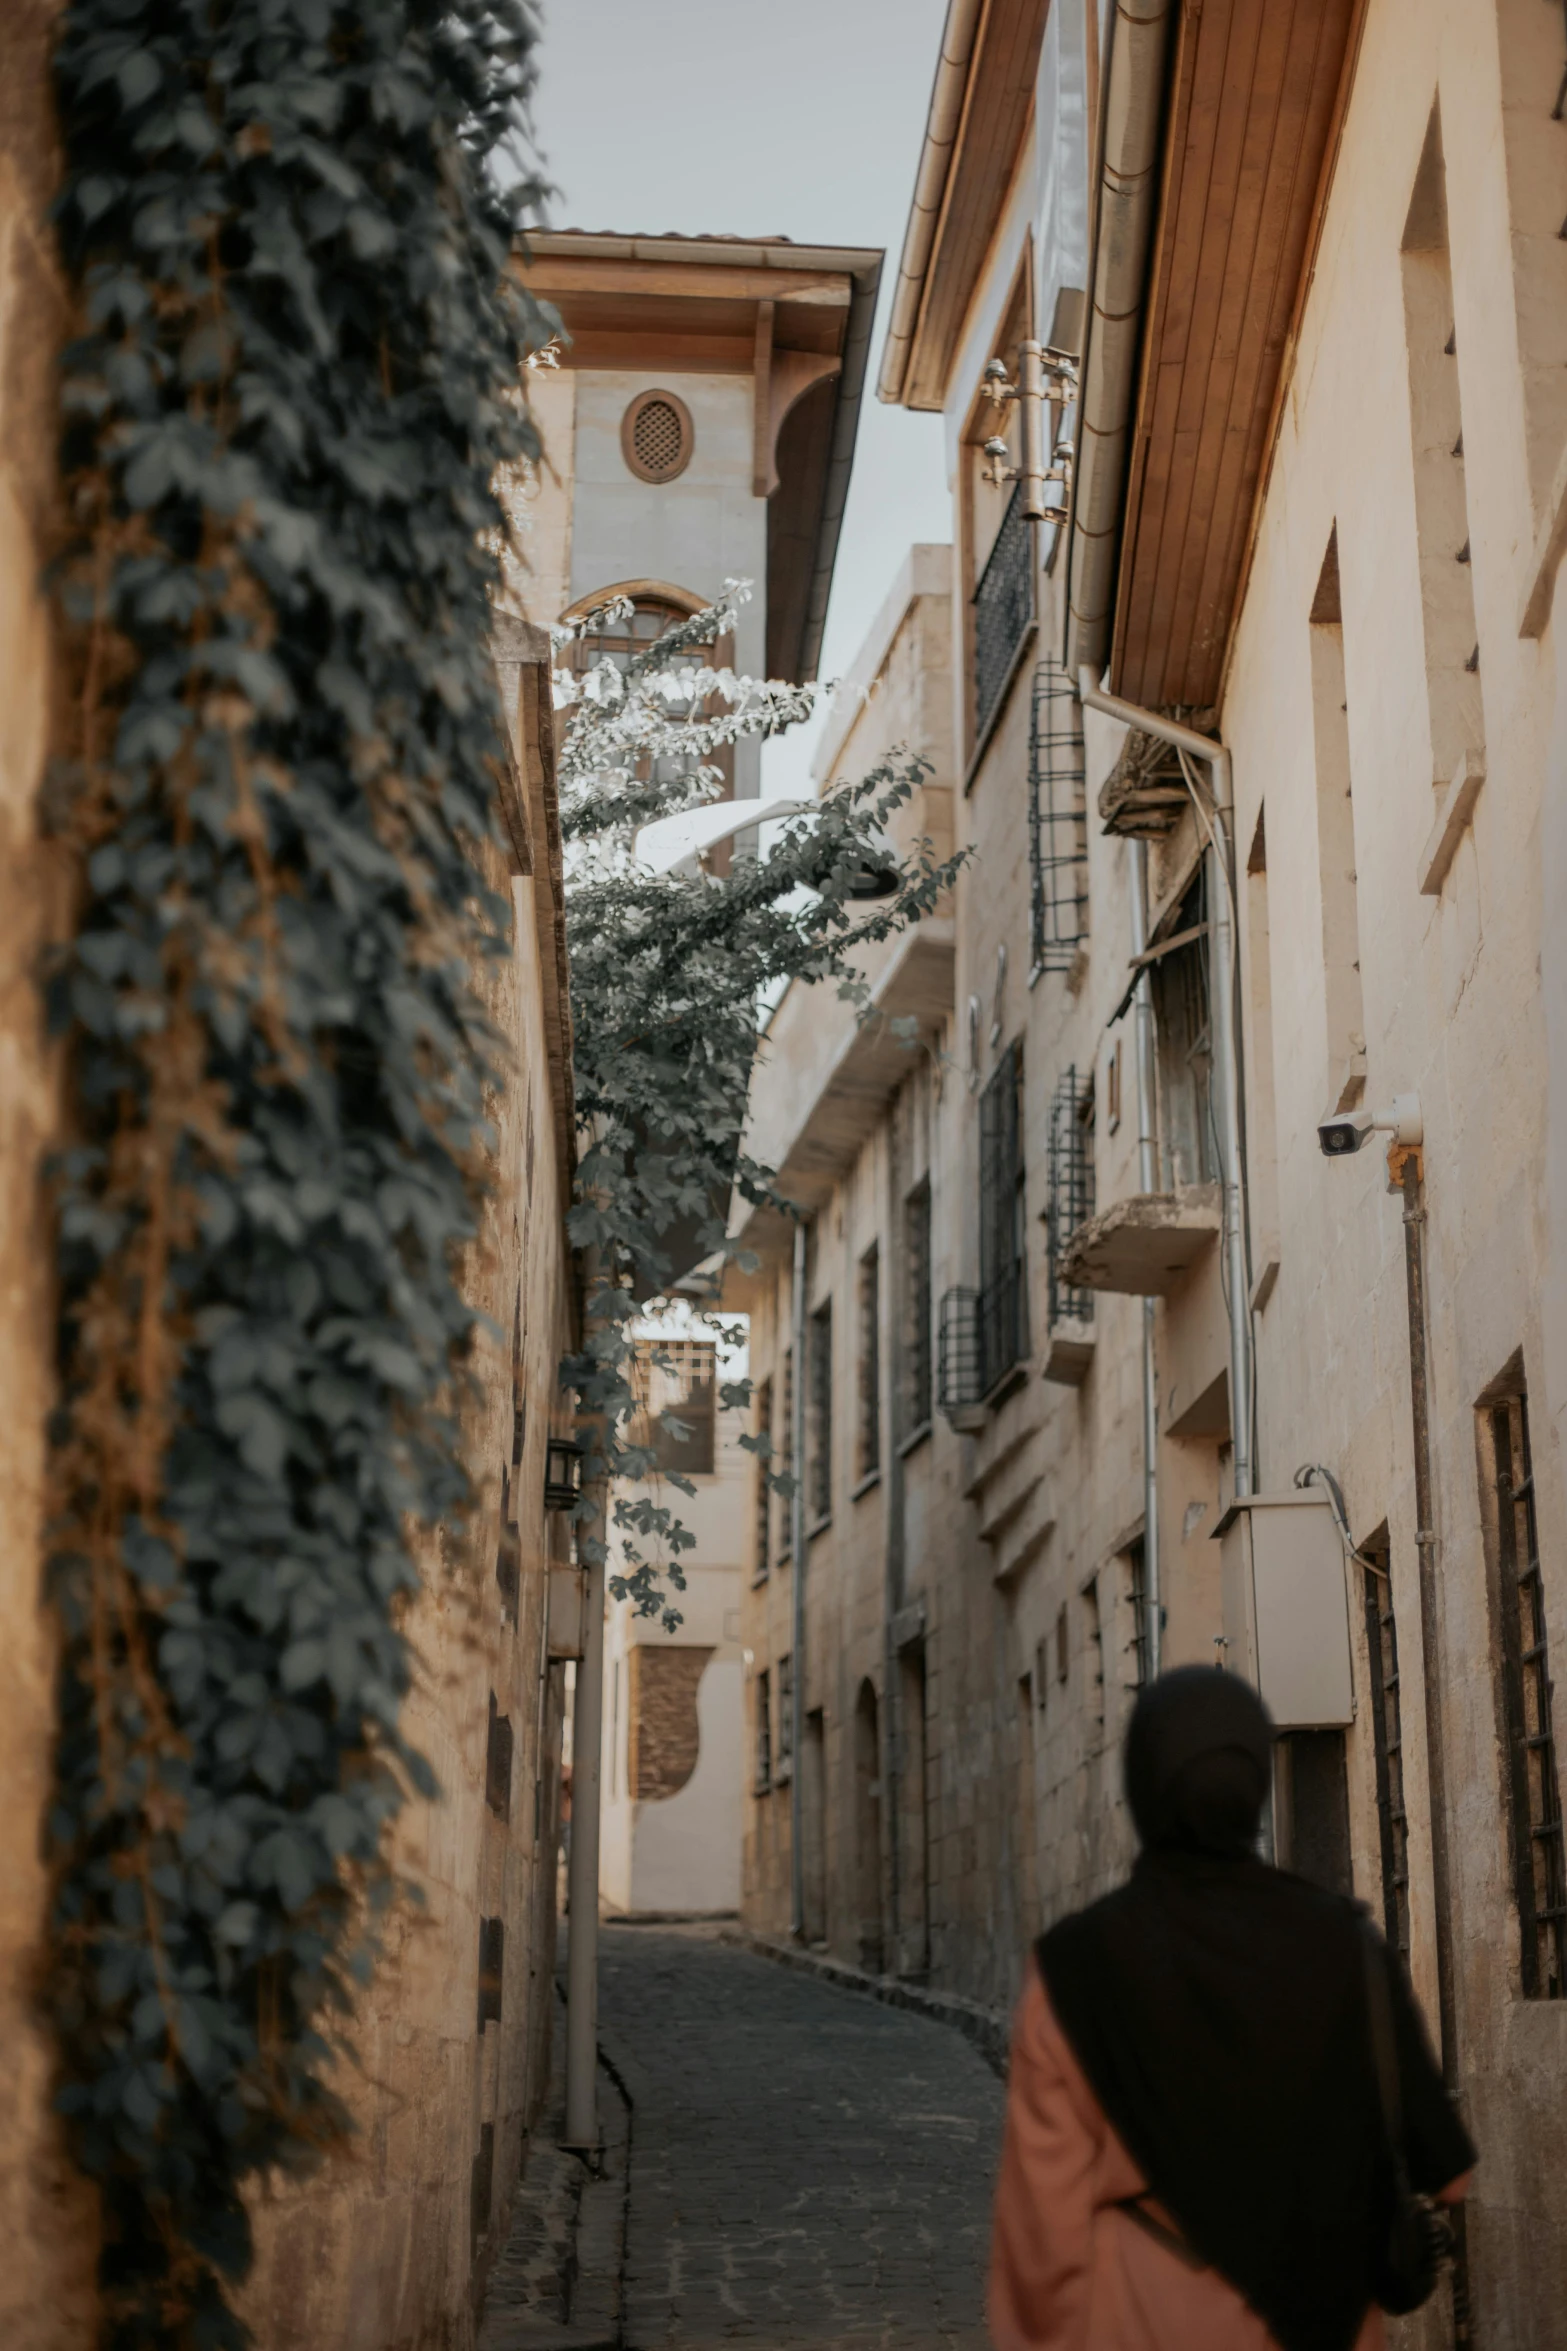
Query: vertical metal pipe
[
  {"x": 1431, "y": 1677},
  {"x": 797, "y": 1600},
  {"x": 1148, "y": 1181},
  {"x": 582, "y": 1954},
  {"x": 1226, "y": 1062},
  {"x": 890, "y": 1300}
]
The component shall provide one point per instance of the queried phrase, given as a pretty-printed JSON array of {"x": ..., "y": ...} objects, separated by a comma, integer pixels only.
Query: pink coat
[{"x": 1068, "y": 2271}]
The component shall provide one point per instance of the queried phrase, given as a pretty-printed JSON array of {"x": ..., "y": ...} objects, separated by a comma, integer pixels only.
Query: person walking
[{"x": 1198, "y": 2152}]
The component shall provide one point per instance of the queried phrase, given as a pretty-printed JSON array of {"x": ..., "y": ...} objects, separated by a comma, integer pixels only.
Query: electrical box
[
  {"x": 568, "y": 1610},
  {"x": 1286, "y": 1607}
]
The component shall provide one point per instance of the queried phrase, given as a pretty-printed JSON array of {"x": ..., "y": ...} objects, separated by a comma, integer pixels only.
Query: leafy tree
[{"x": 671, "y": 978}]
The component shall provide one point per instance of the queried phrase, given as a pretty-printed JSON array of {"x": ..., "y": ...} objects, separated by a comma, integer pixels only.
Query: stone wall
[{"x": 47, "y": 2215}]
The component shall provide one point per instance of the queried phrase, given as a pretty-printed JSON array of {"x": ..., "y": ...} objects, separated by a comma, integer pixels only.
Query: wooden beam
[
  {"x": 552, "y": 274},
  {"x": 762, "y": 476}
]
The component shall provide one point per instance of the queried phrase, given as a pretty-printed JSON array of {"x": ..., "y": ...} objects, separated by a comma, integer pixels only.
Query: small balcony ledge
[{"x": 1145, "y": 1245}]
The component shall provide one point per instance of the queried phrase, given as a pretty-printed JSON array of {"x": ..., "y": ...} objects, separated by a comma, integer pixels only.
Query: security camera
[{"x": 1339, "y": 1136}]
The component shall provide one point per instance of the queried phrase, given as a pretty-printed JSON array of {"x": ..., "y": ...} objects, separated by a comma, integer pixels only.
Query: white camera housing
[{"x": 1350, "y": 1130}]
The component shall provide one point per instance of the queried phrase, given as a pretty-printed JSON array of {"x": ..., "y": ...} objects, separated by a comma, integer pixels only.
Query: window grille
[
  {"x": 783, "y": 1743},
  {"x": 497, "y": 1763},
  {"x": 675, "y": 1384},
  {"x": 870, "y": 1363},
  {"x": 1137, "y": 1598},
  {"x": 1096, "y": 1651},
  {"x": 1387, "y": 1723},
  {"x": 1003, "y": 607},
  {"x": 959, "y": 1380},
  {"x": 819, "y": 1456},
  {"x": 1070, "y": 1200},
  {"x": 1535, "y": 1786},
  {"x": 917, "y": 1349},
  {"x": 764, "y": 1734},
  {"x": 765, "y": 1463},
  {"x": 1003, "y": 1297},
  {"x": 492, "y": 1969},
  {"x": 784, "y": 1454},
  {"x": 1057, "y": 820}
]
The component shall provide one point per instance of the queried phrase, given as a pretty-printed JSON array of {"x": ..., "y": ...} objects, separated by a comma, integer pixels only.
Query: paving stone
[{"x": 808, "y": 2166}]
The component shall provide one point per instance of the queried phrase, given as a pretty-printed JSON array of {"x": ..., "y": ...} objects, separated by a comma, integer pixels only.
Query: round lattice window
[{"x": 656, "y": 437}]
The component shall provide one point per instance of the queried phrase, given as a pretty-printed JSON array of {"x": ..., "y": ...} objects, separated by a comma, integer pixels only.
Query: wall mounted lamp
[
  {"x": 1047, "y": 379},
  {"x": 562, "y": 1473}
]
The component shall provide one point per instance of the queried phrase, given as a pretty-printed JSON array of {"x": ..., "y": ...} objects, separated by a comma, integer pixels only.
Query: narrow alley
[{"x": 807, "y": 2165}]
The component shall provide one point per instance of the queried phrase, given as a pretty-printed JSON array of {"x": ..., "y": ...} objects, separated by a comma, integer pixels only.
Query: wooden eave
[
  {"x": 794, "y": 318},
  {"x": 1258, "y": 93},
  {"x": 997, "y": 101}
]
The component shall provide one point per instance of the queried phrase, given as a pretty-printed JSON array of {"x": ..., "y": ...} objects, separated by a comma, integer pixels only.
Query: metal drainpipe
[
  {"x": 1226, "y": 1048},
  {"x": 1148, "y": 1179},
  {"x": 892, "y": 1580},
  {"x": 797, "y": 1602},
  {"x": 1431, "y": 1675}
]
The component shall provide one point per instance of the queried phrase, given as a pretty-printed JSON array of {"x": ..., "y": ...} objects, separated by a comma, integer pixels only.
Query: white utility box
[
  {"x": 1286, "y": 1608},
  {"x": 568, "y": 1611}
]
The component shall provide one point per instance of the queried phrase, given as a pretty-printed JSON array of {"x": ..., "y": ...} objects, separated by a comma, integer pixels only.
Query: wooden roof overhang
[
  {"x": 980, "y": 109},
  {"x": 794, "y": 318},
  {"x": 1256, "y": 104}
]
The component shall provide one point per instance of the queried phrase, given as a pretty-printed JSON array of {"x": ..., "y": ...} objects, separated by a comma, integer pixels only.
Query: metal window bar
[
  {"x": 765, "y": 1465},
  {"x": 918, "y": 1351},
  {"x": 819, "y": 1462},
  {"x": 1057, "y": 820},
  {"x": 1003, "y": 1293},
  {"x": 764, "y": 1734},
  {"x": 1137, "y": 1601},
  {"x": 1070, "y": 1195},
  {"x": 958, "y": 1381},
  {"x": 1540, "y": 1874},
  {"x": 1387, "y": 1722},
  {"x": 785, "y": 1752},
  {"x": 870, "y": 1364},
  {"x": 783, "y": 1453},
  {"x": 1003, "y": 608}
]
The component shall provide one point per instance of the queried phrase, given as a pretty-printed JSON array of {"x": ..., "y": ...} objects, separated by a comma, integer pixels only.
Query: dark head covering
[{"x": 1218, "y": 2009}]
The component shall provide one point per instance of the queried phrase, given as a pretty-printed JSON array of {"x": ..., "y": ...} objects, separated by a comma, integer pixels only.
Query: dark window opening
[
  {"x": 497, "y": 1763},
  {"x": 492, "y": 1969},
  {"x": 870, "y": 1364},
  {"x": 1387, "y": 1726},
  {"x": 1188, "y": 1136},
  {"x": 819, "y": 1452},
  {"x": 1003, "y": 1284},
  {"x": 1070, "y": 1194},
  {"x": 765, "y": 1463},
  {"x": 1003, "y": 606},
  {"x": 1535, "y": 1787},
  {"x": 917, "y": 1347},
  {"x": 764, "y": 1734}
]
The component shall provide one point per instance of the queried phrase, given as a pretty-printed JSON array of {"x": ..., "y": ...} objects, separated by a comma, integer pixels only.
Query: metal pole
[
  {"x": 797, "y": 1601},
  {"x": 1148, "y": 1181},
  {"x": 582, "y": 2129},
  {"x": 1431, "y": 1676}
]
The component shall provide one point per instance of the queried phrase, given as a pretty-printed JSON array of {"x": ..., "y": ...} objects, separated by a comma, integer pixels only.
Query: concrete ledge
[
  {"x": 1454, "y": 811},
  {"x": 987, "y": 2028}
]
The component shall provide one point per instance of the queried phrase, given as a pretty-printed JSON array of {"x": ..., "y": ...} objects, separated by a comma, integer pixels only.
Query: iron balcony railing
[{"x": 1003, "y": 605}]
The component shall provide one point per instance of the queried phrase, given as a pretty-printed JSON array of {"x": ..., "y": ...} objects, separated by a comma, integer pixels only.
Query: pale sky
[{"x": 796, "y": 118}]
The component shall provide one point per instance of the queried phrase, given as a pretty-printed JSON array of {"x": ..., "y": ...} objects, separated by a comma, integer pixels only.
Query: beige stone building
[
  {"x": 1307, "y": 261},
  {"x": 673, "y": 1727}
]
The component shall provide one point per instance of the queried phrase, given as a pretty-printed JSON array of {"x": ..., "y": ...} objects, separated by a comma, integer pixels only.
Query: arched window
[{"x": 656, "y": 607}]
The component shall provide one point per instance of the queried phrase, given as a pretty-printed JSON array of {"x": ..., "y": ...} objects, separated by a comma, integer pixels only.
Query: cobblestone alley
[{"x": 807, "y": 2167}]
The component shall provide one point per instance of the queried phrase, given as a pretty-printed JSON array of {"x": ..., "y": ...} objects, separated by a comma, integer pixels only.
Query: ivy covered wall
[{"x": 290, "y": 374}]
